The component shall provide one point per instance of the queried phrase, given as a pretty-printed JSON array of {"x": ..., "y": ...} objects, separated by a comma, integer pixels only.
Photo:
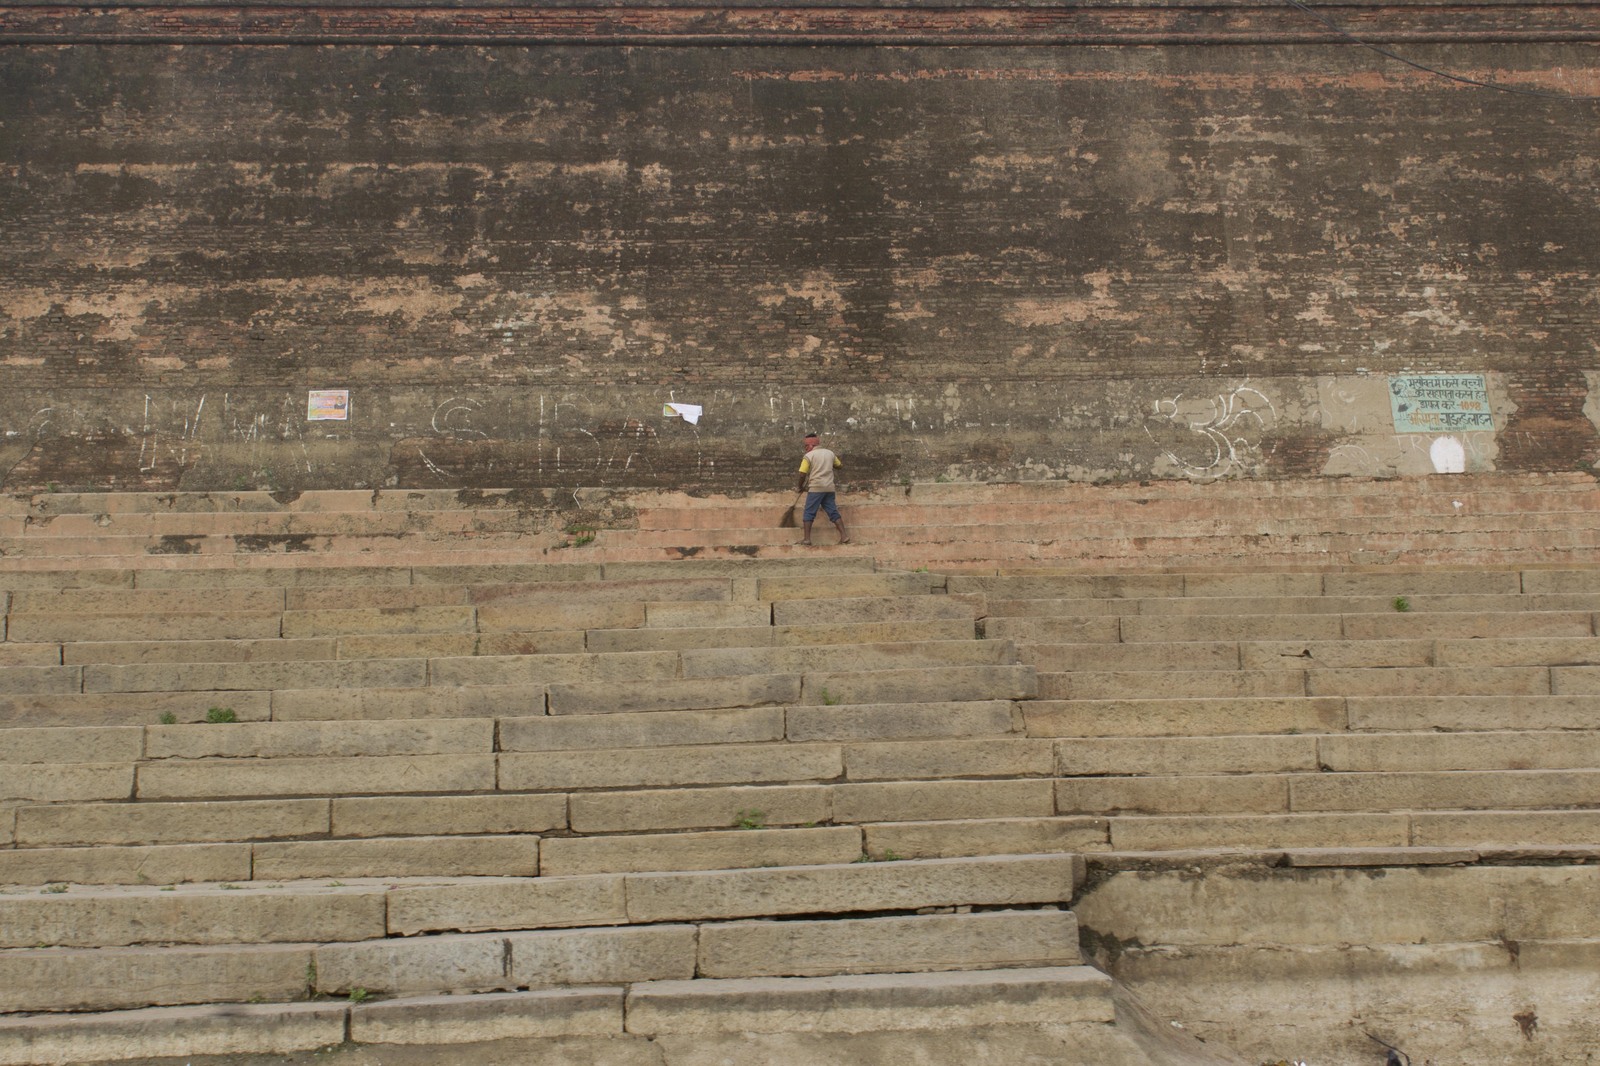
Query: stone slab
[
  {"x": 526, "y": 903},
  {"x": 885, "y": 721},
  {"x": 704, "y": 615},
  {"x": 197, "y": 651},
  {"x": 1258, "y": 831},
  {"x": 128, "y": 708},
  {"x": 872, "y": 1002},
  {"x": 364, "y": 620},
  {"x": 504, "y": 574},
  {"x": 1487, "y": 624},
  {"x": 1072, "y": 629},
  {"x": 699, "y": 808},
  {"x": 30, "y": 655},
  {"x": 642, "y": 730},
  {"x": 667, "y": 767},
  {"x": 822, "y": 612},
  {"x": 725, "y": 850},
  {"x": 189, "y": 625},
  {"x": 1482, "y": 829},
  {"x": 122, "y": 978},
  {"x": 170, "y": 1032},
  {"x": 454, "y": 962},
  {"x": 355, "y": 596},
  {"x": 934, "y": 759},
  {"x": 66, "y": 782},
  {"x": 480, "y": 701},
  {"x": 1335, "y": 654},
  {"x": 41, "y": 680},
  {"x": 108, "y": 865},
  {"x": 1417, "y": 583},
  {"x": 167, "y": 677},
  {"x": 1193, "y": 655},
  {"x": 1178, "y": 755},
  {"x": 607, "y": 668},
  {"x": 412, "y": 856},
  {"x": 872, "y": 886},
  {"x": 271, "y": 740},
  {"x": 1445, "y": 681},
  {"x": 1460, "y": 751},
  {"x": 1184, "y": 717},
  {"x": 144, "y": 601},
  {"x": 1197, "y": 794},
  {"x": 727, "y": 662},
  {"x": 600, "y": 640},
  {"x": 1536, "y": 651},
  {"x": 1463, "y": 713},
  {"x": 1171, "y": 684},
  {"x": 675, "y": 695},
  {"x": 70, "y": 745},
  {"x": 222, "y": 778},
  {"x": 387, "y": 816},
  {"x": 188, "y": 914},
  {"x": 632, "y": 591},
  {"x": 977, "y": 941},
  {"x": 921, "y": 801},
  {"x": 578, "y": 614},
  {"x": 163, "y": 823},
  {"x": 987, "y": 836},
  {"x": 557, "y": 957},
  {"x": 929, "y": 684},
  {"x": 1232, "y": 627},
  {"x": 846, "y": 586},
  {"x": 1461, "y": 789},
  {"x": 544, "y": 1015}
]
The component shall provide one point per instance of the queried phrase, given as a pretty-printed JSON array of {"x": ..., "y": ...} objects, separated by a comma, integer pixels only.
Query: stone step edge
[{"x": 801, "y": 1004}]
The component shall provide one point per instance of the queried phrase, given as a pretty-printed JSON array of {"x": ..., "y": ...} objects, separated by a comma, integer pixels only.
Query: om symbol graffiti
[{"x": 1211, "y": 437}]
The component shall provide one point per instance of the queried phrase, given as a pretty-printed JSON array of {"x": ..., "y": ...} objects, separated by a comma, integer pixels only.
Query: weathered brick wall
[{"x": 1022, "y": 261}]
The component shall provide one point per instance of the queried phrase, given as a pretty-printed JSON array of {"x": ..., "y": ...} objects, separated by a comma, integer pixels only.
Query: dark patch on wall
[{"x": 988, "y": 261}]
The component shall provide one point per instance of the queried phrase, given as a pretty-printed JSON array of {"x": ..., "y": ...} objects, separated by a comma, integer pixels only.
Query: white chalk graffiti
[{"x": 1223, "y": 432}]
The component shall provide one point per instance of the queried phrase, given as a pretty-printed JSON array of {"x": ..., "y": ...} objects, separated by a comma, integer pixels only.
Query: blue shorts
[{"x": 823, "y": 500}]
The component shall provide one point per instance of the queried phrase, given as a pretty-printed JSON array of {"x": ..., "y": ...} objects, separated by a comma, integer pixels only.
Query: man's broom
[{"x": 787, "y": 521}]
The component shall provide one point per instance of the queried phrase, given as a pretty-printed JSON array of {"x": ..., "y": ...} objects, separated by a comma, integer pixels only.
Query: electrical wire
[{"x": 1461, "y": 79}]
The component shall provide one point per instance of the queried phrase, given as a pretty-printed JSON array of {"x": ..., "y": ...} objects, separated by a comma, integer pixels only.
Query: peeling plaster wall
[{"x": 1090, "y": 263}]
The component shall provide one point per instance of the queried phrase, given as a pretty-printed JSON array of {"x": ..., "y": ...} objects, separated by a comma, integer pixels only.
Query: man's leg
[
  {"x": 837, "y": 518},
  {"x": 813, "y": 501}
]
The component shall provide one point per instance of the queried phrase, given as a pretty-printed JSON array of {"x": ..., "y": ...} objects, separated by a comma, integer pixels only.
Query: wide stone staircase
[
  {"x": 769, "y": 809},
  {"x": 1485, "y": 519}
]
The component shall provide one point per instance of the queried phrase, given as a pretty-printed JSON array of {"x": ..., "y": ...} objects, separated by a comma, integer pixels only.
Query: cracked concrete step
[
  {"x": 1330, "y": 682},
  {"x": 1374, "y": 791},
  {"x": 961, "y": 1008},
  {"x": 1312, "y": 603},
  {"x": 648, "y": 898},
  {"x": 1276, "y": 655},
  {"x": 117, "y": 916},
  {"x": 1036, "y": 583},
  {"x": 128, "y": 825},
  {"x": 1177, "y": 717},
  {"x": 873, "y": 1002},
  {"x": 1312, "y": 753},
  {"x": 1131, "y": 629},
  {"x": 963, "y": 525},
  {"x": 837, "y": 632},
  {"x": 722, "y": 950}
]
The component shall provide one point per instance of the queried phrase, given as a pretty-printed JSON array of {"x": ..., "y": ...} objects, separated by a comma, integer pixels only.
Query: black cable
[{"x": 1341, "y": 31}]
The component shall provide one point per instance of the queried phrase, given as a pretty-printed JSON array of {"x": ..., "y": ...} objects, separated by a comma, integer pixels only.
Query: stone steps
[
  {"x": 1469, "y": 519},
  {"x": 793, "y": 1017},
  {"x": 66, "y": 947},
  {"x": 465, "y": 761}
]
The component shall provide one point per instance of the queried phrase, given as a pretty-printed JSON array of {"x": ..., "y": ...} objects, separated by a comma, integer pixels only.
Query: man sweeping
[{"x": 816, "y": 481}]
